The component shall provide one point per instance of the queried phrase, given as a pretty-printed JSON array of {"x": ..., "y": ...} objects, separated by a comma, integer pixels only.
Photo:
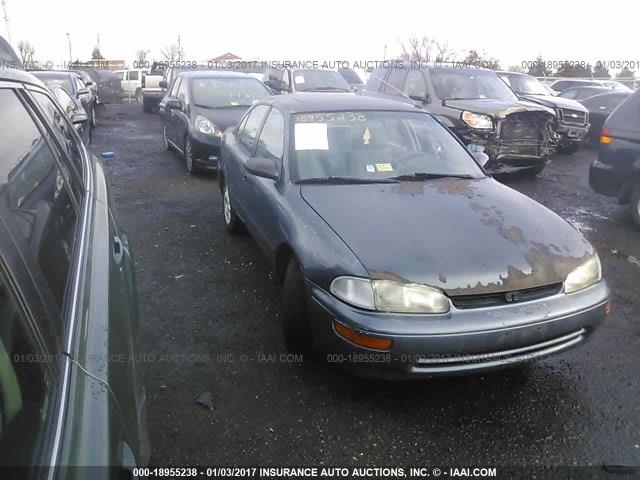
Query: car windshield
[
  {"x": 52, "y": 82},
  {"x": 319, "y": 80},
  {"x": 375, "y": 146},
  {"x": 227, "y": 92},
  {"x": 469, "y": 83},
  {"x": 526, "y": 85}
]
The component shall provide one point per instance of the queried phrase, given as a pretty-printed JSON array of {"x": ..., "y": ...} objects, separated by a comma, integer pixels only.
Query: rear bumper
[
  {"x": 460, "y": 342},
  {"x": 153, "y": 94}
]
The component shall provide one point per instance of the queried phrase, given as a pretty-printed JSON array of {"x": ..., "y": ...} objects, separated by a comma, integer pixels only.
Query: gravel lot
[{"x": 218, "y": 392}]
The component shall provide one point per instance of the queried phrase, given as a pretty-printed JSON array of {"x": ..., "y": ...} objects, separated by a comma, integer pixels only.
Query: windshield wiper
[
  {"x": 345, "y": 180},
  {"x": 430, "y": 176}
]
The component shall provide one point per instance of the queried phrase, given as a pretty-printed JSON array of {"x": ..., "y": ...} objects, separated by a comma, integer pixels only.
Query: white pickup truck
[{"x": 151, "y": 91}]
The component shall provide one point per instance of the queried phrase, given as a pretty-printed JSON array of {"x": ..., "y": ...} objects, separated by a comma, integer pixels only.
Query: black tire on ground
[
  {"x": 568, "y": 148},
  {"x": 537, "y": 170},
  {"x": 147, "y": 105},
  {"x": 94, "y": 122},
  {"x": 165, "y": 139},
  {"x": 192, "y": 168},
  {"x": 634, "y": 204},
  {"x": 295, "y": 326},
  {"x": 232, "y": 222}
]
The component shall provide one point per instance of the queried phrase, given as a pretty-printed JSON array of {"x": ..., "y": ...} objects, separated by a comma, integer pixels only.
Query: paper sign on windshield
[{"x": 311, "y": 136}]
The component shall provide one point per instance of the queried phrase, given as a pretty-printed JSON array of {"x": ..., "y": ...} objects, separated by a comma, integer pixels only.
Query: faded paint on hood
[
  {"x": 497, "y": 108},
  {"x": 556, "y": 102},
  {"x": 461, "y": 235}
]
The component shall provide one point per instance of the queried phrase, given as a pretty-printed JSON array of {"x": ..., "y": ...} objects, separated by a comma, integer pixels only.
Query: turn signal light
[
  {"x": 607, "y": 307},
  {"x": 367, "y": 341},
  {"x": 605, "y": 136}
]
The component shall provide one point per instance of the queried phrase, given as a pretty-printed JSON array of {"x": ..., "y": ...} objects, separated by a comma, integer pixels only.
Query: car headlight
[
  {"x": 204, "y": 125},
  {"x": 390, "y": 296},
  {"x": 477, "y": 120},
  {"x": 583, "y": 276}
]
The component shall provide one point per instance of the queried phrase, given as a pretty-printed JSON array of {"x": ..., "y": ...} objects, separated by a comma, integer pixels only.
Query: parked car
[
  {"x": 109, "y": 86},
  {"x": 67, "y": 301},
  {"x": 131, "y": 82},
  {"x": 616, "y": 172},
  {"x": 89, "y": 82},
  {"x": 75, "y": 112},
  {"x": 572, "y": 124},
  {"x": 289, "y": 80},
  {"x": 564, "y": 84},
  {"x": 391, "y": 241},
  {"x": 74, "y": 85},
  {"x": 172, "y": 72},
  {"x": 200, "y": 107},
  {"x": 352, "y": 78},
  {"x": 600, "y": 107},
  {"x": 152, "y": 93},
  {"x": 580, "y": 93},
  {"x": 477, "y": 105}
]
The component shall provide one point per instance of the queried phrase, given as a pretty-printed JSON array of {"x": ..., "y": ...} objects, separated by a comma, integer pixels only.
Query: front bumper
[
  {"x": 206, "y": 150},
  {"x": 572, "y": 133},
  {"x": 462, "y": 341}
]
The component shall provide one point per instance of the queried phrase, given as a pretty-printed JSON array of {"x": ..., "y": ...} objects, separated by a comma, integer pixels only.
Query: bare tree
[
  {"x": 172, "y": 52},
  {"x": 426, "y": 49},
  {"x": 141, "y": 55},
  {"x": 26, "y": 52},
  {"x": 96, "y": 54},
  {"x": 516, "y": 68}
]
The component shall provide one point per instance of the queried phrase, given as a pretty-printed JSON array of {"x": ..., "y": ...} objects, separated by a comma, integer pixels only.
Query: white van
[{"x": 132, "y": 82}]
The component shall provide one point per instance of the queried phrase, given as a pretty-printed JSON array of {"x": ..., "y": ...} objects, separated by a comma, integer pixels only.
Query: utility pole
[
  {"x": 70, "y": 56},
  {"x": 6, "y": 19},
  {"x": 385, "y": 53},
  {"x": 179, "y": 49}
]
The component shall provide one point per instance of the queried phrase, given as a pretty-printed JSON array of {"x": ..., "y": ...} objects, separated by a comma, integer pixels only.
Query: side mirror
[
  {"x": 426, "y": 98},
  {"x": 82, "y": 92},
  {"x": 79, "y": 117},
  {"x": 262, "y": 167},
  {"x": 173, "y": 104},
  {"x": 163, "y": 84},
  {"x": 481, "y": 157},
  {"x": 88, "y": 84}
]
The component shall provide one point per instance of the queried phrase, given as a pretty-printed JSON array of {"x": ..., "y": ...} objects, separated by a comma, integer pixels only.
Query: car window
[
  {"x": 42, "y": 215},
  {"x": 393, "y": 84},
  {"x": 79, "y": 83},
  {"x": 604, "y": 102},
  {"x": 174, "y": 87},
  {"x": 26, "y": 384},
  {"x": 182, "y": 91},
  {"x": 415, "y": 86},
  {"x": 375, "y": 79},
  {"x": 627, "y": 114},
  {"x": 133, "y": 75},
  {"x": 68, "y": 144},
  {"x": 271, "y": 142},
  {"x": 251, "y": 127},
  {"x": 570, "y": 93},
  {"x": 220, "y": 92}
]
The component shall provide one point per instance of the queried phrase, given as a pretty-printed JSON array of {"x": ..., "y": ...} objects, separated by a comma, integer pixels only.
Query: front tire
[
  {"x": 634, "y": 204},
  {"x": 94, "y": 122},
  {"x": 295, "y": 327},
  {"x": 188, "y": 156},
  {"x": 231, "y": 220},
  {"x": 165, "y": 139}
]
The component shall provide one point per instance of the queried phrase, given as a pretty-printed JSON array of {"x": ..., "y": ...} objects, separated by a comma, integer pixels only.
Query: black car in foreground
[
  {"x": 199, "y": 107},
  {"x": 479, "y": 107},
  {"x": 600, "y": 107},
  {"x": 365, "y": 207},
  {"x": 70, "y": 385},
  {"x": 73, "y": 84},
  {"x": 572, "y": 124},
  {"x": 616, "y": 172}
]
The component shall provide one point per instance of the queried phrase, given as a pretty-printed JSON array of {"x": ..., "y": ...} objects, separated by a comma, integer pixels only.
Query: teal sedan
[{"x": 70, "y": 389}]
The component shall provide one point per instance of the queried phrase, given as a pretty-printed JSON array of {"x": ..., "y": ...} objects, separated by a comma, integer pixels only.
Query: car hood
[
  {"x": 222, "y": 117},
  {"x": 496, "y": 108},
  {"x": 461, "y": 235},
  {"x": 555, "y": 102}
]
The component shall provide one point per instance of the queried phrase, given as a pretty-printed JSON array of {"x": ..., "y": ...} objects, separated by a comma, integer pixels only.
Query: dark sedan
[
  {"x": 600, "y": 107},
  {"x": 580, "y": 93},
  {"x": 74, "y": 85},
  {"x": 398, "y": 255},
  {"x": 70, "y": 386},
  {"x": 199, "y": 107}
]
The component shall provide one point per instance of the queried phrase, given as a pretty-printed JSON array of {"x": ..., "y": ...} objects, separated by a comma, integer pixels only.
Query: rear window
[{"x": 627, "y": 115}]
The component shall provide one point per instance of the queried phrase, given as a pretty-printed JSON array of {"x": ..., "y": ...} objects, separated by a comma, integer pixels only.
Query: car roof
[
  {"x": 53, "y": 73},
  {"x": 335, "y": 102},
  {"x": 214, "y": 74},
  {"x": 505, "y": 72},
  {"x": 15, "y": 75}
]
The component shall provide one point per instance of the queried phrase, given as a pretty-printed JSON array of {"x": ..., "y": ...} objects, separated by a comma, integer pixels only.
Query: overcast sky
[{"x": 512, "y": 32}]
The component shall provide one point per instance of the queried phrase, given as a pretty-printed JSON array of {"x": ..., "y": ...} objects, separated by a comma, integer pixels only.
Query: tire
[
  {"x": 93, "y": 121},
  {"x": 165, "y": 139},
  {"x": 537, "y": 170},
  {"x": 188, "y": 156},
  {"x": 295, "y": 326},
  {"x": 568, "y": 148},
  {"x": 138, "y": 95},
  {"x": 634, "y": 204},
  {"x": 147, "y": 106},
  {"x": 232, "y": 222}
]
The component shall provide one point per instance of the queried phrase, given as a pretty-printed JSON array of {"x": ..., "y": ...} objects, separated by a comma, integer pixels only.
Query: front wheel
[
  {"x": 634, "y": 204},
  {"x": 231, "y": 220},
  {"x": 188, "y": 156},
  {"x": 296, "y": 329},
  {"x": 94, "y": 122}
]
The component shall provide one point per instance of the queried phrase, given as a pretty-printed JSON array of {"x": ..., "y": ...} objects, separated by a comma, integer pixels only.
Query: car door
[
  {"x": 239, "y": 149},
  {"x": 169, "y": 117},
  {"x": 181, "y": 115},
  {"x": 263, "y": 194}
]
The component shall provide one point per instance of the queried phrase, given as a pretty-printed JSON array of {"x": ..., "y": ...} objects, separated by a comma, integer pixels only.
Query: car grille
[
  {"x": 497, "y": 299},
  {"x": 521, "y": 134},
  {"x": 575, "y": 117}
]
